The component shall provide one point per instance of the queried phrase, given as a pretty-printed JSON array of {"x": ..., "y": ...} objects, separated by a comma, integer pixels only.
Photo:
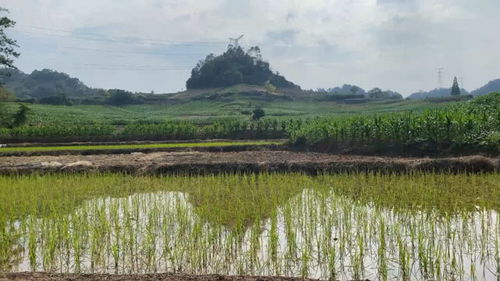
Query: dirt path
[
  {"x": 135, "y": 277},
  {"x": 200, "y": 162}
]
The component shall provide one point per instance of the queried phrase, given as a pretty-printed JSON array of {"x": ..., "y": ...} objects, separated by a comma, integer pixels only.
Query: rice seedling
[{"x": 344, "y": 226}]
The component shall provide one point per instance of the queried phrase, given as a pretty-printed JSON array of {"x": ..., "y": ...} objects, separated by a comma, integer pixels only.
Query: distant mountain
[
  {"x": 346, "y": 89},
  {"x": 45, "y": 83},
  {"x": 377, "y": 93},
  {"x": 441, "y": 92},
  {"x": 492, "y": 86},
  {"x": 353, "y": 91}
]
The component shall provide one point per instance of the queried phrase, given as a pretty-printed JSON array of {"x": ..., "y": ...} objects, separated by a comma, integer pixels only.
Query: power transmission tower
[
  {"x": 440, "y": 77},
  {"x": 234, "y": 42}
]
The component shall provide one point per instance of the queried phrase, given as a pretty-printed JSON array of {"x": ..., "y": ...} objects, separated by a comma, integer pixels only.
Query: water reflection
[{"x": 311, "y": 232}]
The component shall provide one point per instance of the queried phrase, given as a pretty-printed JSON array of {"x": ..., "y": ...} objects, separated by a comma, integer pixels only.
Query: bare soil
[
  {"x": 38, "y": 276},
  {"x": 204, "y": 162}
]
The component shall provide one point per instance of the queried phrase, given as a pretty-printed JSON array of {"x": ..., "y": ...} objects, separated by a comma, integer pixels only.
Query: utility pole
[{"x": 462, "y": 82}]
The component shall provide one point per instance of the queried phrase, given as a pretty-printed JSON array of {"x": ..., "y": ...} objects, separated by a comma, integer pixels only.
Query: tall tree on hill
[{"x": 455, "y": 89}]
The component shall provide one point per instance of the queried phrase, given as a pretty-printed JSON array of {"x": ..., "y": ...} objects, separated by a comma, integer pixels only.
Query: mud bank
[
  {"x": 38, "y": 276},
  {"x": 202, "y": 162}
]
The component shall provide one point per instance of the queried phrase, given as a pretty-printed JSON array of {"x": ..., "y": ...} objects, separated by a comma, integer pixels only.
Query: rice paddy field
[
  {"x": 134, "y": 146},
  {"x": 348, "y": 226}
]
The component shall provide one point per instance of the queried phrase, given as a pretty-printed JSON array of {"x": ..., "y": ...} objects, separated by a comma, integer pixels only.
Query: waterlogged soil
[
  {"x": 203, "y": 162},
  {"x": 38, "y": 276}
]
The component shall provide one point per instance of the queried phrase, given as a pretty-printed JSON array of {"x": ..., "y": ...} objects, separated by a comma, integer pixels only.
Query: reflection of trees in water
[
  {"x": 10, "y": 247},
  {"x": 239, "y": 201}
]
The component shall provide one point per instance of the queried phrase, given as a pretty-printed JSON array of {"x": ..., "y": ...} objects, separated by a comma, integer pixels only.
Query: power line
[
  {"x": 132, "y": 52},
  {"x": 127, "y": 69},
  {"x": 119, "y": 67},
  {"x": 100, "y": 37},
  {"x": 137, "y": 66}
]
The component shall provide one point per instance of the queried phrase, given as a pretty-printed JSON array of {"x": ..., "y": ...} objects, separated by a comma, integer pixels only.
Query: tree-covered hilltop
[{"x": 233, "y": 67}]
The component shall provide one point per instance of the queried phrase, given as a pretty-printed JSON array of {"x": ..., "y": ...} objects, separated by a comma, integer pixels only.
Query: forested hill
[
  {"x": 233, "y": 67},
  {"x": 492, "y": 86},
  {"x": 45, "y": 83},
  {"x": 436, "y": 93}
]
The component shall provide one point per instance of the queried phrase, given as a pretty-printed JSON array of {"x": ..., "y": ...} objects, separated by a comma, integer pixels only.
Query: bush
[
  {"x": 258, "y": 113},
  {"x": 121, "y": 97}
]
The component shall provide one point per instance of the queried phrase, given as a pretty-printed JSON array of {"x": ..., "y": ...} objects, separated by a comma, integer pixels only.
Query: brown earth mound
[{"x": 199, "y": 162}]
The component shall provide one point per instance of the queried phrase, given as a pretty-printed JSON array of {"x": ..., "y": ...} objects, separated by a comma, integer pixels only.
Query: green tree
[
  {"x": 455, "y": 89},
  {"x": 258, "y": 113},
  {"x": 20, "y": 117},
  {"x": 377, "y": 93},
  {"x": 7, "y": 55},
  {"x": 121, "y": 97},
  {"x": 7, "y": 45}
]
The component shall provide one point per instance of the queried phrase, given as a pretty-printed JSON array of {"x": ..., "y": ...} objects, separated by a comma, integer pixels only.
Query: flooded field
[{"x": 337, "y": 227}]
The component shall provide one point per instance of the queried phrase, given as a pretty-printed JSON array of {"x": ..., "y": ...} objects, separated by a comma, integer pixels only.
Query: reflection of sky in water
[{"x": 315, "y": 233}]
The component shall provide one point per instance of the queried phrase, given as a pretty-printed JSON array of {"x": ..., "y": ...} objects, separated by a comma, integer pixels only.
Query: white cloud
[{"x": 316, "y": 43}]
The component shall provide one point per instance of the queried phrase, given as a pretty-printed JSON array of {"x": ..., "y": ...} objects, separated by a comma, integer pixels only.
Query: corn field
[
  {"x": 472, "y": 126},
  {"x": 460, "y": 128}
]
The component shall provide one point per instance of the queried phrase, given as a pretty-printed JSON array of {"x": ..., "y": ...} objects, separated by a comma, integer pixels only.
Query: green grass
[{"x": 134, "y": 146}]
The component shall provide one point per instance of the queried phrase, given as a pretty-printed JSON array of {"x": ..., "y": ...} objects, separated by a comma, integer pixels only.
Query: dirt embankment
[
  {"x": 203, "y": 162},
  {"x": 135, "y": 277}
]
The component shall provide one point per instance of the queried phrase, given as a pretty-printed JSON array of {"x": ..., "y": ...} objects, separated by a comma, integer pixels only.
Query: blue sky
[{"x": 151, "y": 45}]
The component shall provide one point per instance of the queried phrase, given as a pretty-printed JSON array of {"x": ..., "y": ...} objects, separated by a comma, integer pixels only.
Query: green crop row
[
  {"x": 464, "y": 127},
  {"x": 169, "y": 130},
  {"x": 472, "y": 126}
]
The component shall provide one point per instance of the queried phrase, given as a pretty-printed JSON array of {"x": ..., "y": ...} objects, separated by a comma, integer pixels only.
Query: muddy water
[{"x": 317, "y": 234}]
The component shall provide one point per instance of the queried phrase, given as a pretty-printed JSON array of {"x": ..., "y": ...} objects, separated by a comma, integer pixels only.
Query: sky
[{"x": 152, "y": 45}]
